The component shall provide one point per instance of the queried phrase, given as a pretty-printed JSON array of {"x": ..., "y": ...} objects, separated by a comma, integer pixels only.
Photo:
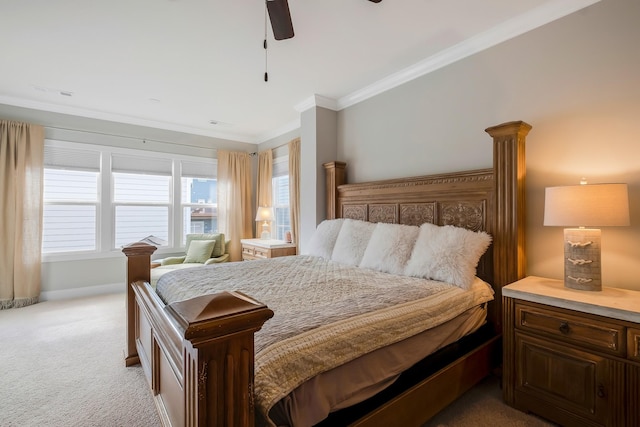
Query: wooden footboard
[{"x": 198, "y": 354}]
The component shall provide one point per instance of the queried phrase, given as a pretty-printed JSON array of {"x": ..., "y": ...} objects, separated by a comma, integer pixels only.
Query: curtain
[
  {"x": 235, "y": 218},
  {"x": 264, "y": 186},
  {"x": 294, "y": 188},
  {"x": 21, "y": 160}
]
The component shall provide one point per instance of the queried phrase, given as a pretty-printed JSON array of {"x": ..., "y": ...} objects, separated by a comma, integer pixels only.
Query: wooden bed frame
[{"x": 198, "y": 354}]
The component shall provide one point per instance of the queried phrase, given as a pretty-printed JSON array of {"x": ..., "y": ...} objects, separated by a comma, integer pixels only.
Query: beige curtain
[
  {"x": 294, "y": 188},
  {"x": 21, "y": 160},
  {"x": 235, "y": 218},
  {"x": 264, "y": 185}
]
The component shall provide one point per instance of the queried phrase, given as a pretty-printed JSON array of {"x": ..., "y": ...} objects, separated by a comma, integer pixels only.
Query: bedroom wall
[{"x": 574, "y": 80}]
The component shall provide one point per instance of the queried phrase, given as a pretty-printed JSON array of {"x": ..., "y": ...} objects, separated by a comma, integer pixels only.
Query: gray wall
[{"x": 574, "y": 80}]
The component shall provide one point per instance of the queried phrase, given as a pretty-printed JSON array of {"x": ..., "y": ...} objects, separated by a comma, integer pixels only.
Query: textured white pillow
[
  {"x": 449, "y": 254},
  {"x": 352, "y": 241},
  {"x": 324, "y": 238},
  {"x": 389, "y": 248}
]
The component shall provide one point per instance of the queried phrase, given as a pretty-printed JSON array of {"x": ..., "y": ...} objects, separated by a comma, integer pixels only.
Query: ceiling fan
[{"x": 281, "y": 18}]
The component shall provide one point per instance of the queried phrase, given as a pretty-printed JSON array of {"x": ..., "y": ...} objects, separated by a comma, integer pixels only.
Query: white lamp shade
[
  {"x": 592, "y": 205},
  {"x": 265, "y": 214}
]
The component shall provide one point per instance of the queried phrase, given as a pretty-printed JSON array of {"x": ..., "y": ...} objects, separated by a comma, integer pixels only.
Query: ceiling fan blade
[{"x": 280, "y": 19}]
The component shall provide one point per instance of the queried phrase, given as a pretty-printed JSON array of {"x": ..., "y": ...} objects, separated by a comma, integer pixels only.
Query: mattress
[{"x": 327, "y": 314}]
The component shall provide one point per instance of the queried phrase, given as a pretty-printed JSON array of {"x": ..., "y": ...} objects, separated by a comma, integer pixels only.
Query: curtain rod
[
  {"x": 144, "y": 140},
  {"x": 279, "y": 146}
]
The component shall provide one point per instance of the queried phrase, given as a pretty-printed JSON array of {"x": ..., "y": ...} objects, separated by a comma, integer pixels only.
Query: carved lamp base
[{"x": 582, "y": 267}]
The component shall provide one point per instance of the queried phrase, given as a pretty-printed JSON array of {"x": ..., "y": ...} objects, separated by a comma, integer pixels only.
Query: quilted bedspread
[{"x": 326, "y": 313}]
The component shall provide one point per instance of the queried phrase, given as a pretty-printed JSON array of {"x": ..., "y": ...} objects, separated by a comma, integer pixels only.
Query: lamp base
[
  {"x": 265, "y": 231},
  {"x": 582, "y": 267}
]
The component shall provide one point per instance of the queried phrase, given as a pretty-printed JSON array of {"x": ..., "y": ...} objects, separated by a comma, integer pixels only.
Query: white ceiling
[{"x": 178, "y": 65}]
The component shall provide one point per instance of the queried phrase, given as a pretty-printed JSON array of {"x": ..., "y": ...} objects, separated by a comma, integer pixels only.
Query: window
[
  {"x": 71, "y": 200},
  {"x": 99, "y": 198},
  {"x": 199, "y": 198},
  {"x": 280, "y": 192}
]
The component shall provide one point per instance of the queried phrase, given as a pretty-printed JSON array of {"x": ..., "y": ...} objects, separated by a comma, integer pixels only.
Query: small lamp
[
  {"x": 594, "y": 205},
  {"x": 265, "y": 214}
]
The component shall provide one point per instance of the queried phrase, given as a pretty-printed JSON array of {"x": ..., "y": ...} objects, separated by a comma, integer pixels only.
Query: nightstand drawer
[
  {"x": 633, "y": 344},
  {"x": 247, "y": 250},
  {"x": 261, "y": 252},
  {"x": 596, "y": 334}
]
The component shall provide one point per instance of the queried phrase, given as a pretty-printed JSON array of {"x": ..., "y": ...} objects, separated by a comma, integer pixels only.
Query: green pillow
[{"x": 199, "y": 251}]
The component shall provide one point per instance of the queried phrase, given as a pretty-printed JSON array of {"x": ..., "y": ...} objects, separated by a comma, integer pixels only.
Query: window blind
[
  {"x": 146, "y": 165},
  {"x": 71, "y": 158}
]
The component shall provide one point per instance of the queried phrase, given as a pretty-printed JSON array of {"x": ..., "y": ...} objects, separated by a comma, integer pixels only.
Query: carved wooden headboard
[{"x": 490, "y": 200}]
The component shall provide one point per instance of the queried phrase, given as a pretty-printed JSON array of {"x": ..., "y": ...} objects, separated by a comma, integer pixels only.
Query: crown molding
[
  {"x": 293, "y": 125},
  {"x": 507, "y": 30},
  {"x": 317, "y": 101},
  {"x": 120, "y": 118}
]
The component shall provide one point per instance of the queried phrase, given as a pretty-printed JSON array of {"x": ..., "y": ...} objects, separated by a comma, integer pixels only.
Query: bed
[{"x": 199, "y": 353}]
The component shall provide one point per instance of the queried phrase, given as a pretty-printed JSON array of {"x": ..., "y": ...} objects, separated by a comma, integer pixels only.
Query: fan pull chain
[{"x": 264, "y": 44}]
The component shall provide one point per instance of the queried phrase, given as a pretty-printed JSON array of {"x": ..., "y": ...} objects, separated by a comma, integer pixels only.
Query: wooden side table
[
  {"x": 261, "y": 249},
  {"x": 572, "y": 356}
]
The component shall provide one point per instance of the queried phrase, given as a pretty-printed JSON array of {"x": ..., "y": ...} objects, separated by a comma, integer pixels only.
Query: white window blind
[
  {"x": 71, "y": 199},
  {"x": 139, "y": 164},
  {"x": 56, "y": 157}
]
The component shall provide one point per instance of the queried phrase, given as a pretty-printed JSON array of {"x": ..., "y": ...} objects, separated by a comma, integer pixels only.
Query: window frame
[
  {"x": 280, "y": 169},
  {"x": 105, "y": 214}
]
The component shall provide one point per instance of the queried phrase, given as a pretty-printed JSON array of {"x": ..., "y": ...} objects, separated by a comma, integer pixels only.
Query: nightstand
[
  {"x": 261, "y": 249},
  {"x": 572, "y": 356}
]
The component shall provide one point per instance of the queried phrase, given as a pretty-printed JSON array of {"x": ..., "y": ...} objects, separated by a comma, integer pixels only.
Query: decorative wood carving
[
  {"x": 469, "y": 215},
  {"x": 417, "y": 213},
  {"x": 387, "y": 213},
  {"x": 358, "y": 212}
]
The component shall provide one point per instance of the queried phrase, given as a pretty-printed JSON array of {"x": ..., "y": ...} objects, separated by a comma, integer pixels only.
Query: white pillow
[
  {"x": 352, "y": 241},
  {"x": 324, "y": 238},
  {"x": 389, "y": 248},
  {"x": 449, "y": 254}
]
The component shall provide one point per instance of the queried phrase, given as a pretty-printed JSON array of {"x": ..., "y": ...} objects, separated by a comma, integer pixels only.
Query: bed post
[
  {"x": 509, "y": 260},
  {"x": 335, "y": 174},
  {"x": 138, "y": 269},
  {"x": 218, "y": 352}
]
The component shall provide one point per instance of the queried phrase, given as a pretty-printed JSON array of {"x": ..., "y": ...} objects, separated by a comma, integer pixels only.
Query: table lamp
[
  {"x": 585, "y": 205},
  {"x": 265, "y": 214}
]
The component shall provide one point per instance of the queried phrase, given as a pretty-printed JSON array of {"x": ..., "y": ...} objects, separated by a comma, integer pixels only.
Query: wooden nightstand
[
  {"x": 572, "y": 356},
  {"x": 261, "y": 249}
]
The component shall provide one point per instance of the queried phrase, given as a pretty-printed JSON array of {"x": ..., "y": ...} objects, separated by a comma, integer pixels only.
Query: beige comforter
[{"x": 326, "y": 313}]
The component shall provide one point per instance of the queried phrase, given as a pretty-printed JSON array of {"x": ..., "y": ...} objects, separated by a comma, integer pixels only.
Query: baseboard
[{"x": 86, "y": 291}]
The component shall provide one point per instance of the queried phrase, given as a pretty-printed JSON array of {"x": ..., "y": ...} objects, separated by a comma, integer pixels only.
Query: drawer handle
[
  {"x": 601, "y": 393},
  {"x": 564, "y": 328}
]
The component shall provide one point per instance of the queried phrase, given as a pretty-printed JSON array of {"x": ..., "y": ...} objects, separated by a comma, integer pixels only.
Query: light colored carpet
[
  {"x": 62, "y": 364},
  {"x": 482, "y": 406}
]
